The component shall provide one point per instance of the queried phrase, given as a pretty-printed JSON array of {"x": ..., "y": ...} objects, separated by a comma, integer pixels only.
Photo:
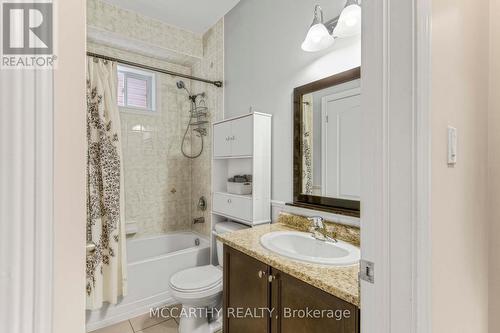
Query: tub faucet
[
  {"x": 198, "y": 220},
  {"x": 318, "y": 229}
]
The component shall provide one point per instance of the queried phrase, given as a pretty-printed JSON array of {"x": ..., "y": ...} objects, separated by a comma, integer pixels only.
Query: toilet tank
[{"x": 222, "y": 228}]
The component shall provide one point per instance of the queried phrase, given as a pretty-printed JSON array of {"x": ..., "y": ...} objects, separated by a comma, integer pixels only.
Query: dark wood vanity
[{"x": 251, "y": 287}]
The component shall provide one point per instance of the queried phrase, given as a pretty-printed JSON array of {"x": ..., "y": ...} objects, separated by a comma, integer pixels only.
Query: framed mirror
[{"x": 327, "y": 144}]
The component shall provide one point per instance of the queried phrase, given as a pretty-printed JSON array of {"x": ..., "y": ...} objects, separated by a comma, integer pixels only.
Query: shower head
[{"x": 180, "y": 85}]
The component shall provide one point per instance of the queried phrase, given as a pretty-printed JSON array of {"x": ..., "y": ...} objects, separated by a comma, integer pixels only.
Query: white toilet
[{"x": 199, "y": 288}]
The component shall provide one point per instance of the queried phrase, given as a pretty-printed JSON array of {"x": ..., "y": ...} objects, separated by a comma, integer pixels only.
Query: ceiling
[{"x": 192, "y": 15}]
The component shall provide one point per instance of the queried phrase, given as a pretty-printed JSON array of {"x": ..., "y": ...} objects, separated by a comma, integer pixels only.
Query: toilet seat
[{"x": 199, "y": 279}]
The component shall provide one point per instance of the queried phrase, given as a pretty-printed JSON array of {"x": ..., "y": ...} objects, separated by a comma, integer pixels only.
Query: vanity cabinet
[
  {"x": 245, "y": 287},
  {"x": 289, "y": 293},
  {"x": 251, "y": 285}
]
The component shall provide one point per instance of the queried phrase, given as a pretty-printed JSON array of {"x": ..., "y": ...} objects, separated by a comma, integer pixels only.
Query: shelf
[
  {"x": 242, "y": 146},
  {"x": 243, "y": 116},
  {"x": 231, "y": 157},
  {"x": 249, "y": 223},
  {"x": 233, "y": 218},
  {"x": 244, "y": 196}
]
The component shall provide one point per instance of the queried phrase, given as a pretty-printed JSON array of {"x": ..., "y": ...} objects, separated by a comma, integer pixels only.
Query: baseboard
[{"x": 138, "y": 308}]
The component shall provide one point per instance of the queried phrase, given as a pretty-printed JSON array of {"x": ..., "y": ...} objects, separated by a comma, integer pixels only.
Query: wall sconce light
[{"x": 322, "y": 35}]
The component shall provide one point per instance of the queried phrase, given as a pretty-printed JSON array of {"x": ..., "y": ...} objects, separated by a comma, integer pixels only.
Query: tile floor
[{"x": 143, "y": 324}]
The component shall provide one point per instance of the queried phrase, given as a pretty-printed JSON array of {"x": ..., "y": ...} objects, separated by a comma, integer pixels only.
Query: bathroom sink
[{"x": 303, "y": 246}]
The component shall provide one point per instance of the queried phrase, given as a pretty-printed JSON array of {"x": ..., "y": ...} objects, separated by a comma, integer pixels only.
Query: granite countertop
[{"x": 341, "y": 282}]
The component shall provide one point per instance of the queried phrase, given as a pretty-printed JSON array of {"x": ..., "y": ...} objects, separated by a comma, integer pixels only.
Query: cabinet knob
[
  {"x": 261, "y": 274},
  {"x": 270, "y": 278},
  {"x": 228, "y": 200}
]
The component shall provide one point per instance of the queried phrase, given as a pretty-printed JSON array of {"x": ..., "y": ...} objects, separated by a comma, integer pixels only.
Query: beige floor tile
[
  {"x": 144, "y": 321},
  {"x": 175, "y": 311},
  {"x": 169, "y": 326},
  {"x": 123, "y": 327}
]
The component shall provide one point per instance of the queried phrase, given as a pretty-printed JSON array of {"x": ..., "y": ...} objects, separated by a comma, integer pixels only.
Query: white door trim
[
  {"x": 422, "y": 241},
  {"x": 395, "y": 221}
]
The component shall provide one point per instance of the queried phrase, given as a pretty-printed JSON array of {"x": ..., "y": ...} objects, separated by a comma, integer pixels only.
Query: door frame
[
  {"x": 395, "y": 220},
  {"x": 381, "y": 65}
]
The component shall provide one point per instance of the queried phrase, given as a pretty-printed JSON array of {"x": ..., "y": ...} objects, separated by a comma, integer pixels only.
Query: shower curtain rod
[{"x": 154, "y": 69}]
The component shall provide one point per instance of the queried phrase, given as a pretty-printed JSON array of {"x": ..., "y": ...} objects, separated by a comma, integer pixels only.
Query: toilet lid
[
  {"x": 196, "y": 278},
  {"x": 223, "y": 227}
]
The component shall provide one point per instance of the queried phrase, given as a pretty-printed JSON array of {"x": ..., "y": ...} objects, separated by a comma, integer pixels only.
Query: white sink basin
[{"x": 304, "y": 247}]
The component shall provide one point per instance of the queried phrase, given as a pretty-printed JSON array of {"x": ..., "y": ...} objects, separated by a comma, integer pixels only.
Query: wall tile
[{"x": 162, "y": 187}]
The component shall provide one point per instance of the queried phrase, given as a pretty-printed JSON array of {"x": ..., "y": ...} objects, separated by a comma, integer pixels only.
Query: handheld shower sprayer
[
  {"x": 198, "y": 114},
  {"x": 180, "y": 85}
]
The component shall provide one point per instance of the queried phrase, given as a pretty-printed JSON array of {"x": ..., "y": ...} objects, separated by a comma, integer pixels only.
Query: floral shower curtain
[
  {"x": 307, "y": 144},
  {"x": 106, "y": 265}
]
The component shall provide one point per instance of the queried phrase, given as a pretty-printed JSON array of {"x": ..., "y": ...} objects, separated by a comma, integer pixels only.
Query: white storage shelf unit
[{"x": 242, "y": 146}]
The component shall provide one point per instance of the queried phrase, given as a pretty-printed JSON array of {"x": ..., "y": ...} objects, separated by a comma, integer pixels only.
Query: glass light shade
[
  {"x": 349, "y": 23},
  {"x": 317, "y": 38}
]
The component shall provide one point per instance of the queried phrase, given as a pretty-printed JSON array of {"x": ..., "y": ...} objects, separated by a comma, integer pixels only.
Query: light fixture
[
  {"x": 322, "y": 35},
  {"x": 318, "y": 37},
  {"x": 349, "y": 23}
]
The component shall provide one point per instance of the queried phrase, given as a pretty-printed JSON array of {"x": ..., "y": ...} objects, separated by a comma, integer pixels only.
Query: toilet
[{"x": 200, "y": 288}]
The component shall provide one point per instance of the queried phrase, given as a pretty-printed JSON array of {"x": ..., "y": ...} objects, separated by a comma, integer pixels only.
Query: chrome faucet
[{"x": 318, "y": 229}]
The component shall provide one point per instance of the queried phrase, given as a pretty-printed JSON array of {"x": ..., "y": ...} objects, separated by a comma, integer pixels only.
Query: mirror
[{"x": 327, "y": 144}]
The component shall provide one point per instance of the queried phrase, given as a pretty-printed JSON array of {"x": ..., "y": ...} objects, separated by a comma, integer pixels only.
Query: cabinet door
[
  {"x": 292, "y": 297},
  {"x": 242, "y": 136},
  {"x": 222, "y": 139},
  {"x": 233, "y": 205},
  {"x": 245, "y": 287}
]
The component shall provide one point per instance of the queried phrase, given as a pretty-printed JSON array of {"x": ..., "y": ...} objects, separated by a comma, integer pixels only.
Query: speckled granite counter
[{"x": 341, "y": 282}]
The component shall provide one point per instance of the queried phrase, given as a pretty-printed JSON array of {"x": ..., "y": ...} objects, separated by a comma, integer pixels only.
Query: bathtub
[{"x": 151, "y": 263}]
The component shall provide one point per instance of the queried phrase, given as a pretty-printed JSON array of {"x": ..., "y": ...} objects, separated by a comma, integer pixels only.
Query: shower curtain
[
  {"x": 106, "y": 266},
  {"x": 307, "y": 144}
]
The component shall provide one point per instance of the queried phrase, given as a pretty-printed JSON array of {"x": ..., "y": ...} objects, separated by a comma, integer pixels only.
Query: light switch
[{"x": 452, "y": 146}]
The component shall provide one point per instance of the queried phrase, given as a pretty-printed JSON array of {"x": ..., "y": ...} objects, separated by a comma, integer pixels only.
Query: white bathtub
[{"x": 151, "y": 263}]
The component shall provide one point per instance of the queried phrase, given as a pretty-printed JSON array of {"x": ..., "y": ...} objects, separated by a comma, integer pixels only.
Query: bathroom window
[{"x": 136, "y": 89}]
